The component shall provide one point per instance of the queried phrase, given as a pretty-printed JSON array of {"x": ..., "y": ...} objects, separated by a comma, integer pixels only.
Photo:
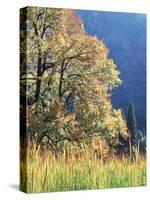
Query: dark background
[{"x": 125, "y": 35}]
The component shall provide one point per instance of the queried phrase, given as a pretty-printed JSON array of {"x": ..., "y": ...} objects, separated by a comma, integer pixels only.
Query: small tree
[
  {"x": 137, "y": 136},
  {"x": 131, "y": 118},
  {"x": 131, "y": 124}
]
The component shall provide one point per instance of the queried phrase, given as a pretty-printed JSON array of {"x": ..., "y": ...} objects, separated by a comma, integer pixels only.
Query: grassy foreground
[{"x": 46, "y": 173}]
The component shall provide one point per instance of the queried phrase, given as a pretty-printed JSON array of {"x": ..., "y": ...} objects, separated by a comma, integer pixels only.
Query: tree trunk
[
  {"x": 61, "y": 80},
  {"x": 60, "y": 84},
  {"x": 38, "y": 89},
  {"x": 38, "y": 82}
]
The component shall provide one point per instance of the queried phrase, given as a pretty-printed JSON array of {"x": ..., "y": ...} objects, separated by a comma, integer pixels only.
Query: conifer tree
[{"x": 131, "y": 123}]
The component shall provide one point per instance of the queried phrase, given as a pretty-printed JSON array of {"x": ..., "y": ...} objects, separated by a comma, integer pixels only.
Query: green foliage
[
  {"x": 137, "y": 137},
  {"x": 131, "y": 118},
  {"x": 131, "y": 123},
  {"x": 142, "y": 144}
]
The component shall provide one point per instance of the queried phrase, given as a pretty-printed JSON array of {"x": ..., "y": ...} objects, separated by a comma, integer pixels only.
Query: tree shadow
[{"x": 14, "y": 186}]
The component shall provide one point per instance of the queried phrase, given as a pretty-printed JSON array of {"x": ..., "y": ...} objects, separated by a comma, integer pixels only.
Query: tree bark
[
  {"x": 38, "y": 82},
  {"x": 38, "y": 89},
  {"x": 61, "y": 80}
]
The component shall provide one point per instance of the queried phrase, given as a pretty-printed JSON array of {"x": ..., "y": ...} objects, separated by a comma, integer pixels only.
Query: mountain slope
[{"x": 125, "y": 35}]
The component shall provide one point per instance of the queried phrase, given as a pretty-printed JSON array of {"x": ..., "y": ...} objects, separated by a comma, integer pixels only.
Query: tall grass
[{"x": 46, "y": 172}]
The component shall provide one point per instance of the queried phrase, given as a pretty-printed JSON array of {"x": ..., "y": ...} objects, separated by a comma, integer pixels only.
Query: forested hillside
[{"x": 125, "y": 35}]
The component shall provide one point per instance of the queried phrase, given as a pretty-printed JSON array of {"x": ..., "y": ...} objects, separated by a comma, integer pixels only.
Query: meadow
[{"x": 46, "y": 172}]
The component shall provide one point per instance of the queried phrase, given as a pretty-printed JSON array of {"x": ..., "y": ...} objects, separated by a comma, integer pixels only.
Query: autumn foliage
[
  {"x": 68, "y": 75},
  {"x": 71, "y": 136}
]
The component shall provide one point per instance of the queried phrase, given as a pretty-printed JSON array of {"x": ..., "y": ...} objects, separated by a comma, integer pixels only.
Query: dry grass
[{"x": 46, "y": 173}]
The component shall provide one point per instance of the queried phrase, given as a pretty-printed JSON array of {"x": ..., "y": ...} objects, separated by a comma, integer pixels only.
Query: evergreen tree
[
  {"x": 131, "y": 118},
  {"x": 137, "y": 136},
  {"x": 131, "y": 123}
]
